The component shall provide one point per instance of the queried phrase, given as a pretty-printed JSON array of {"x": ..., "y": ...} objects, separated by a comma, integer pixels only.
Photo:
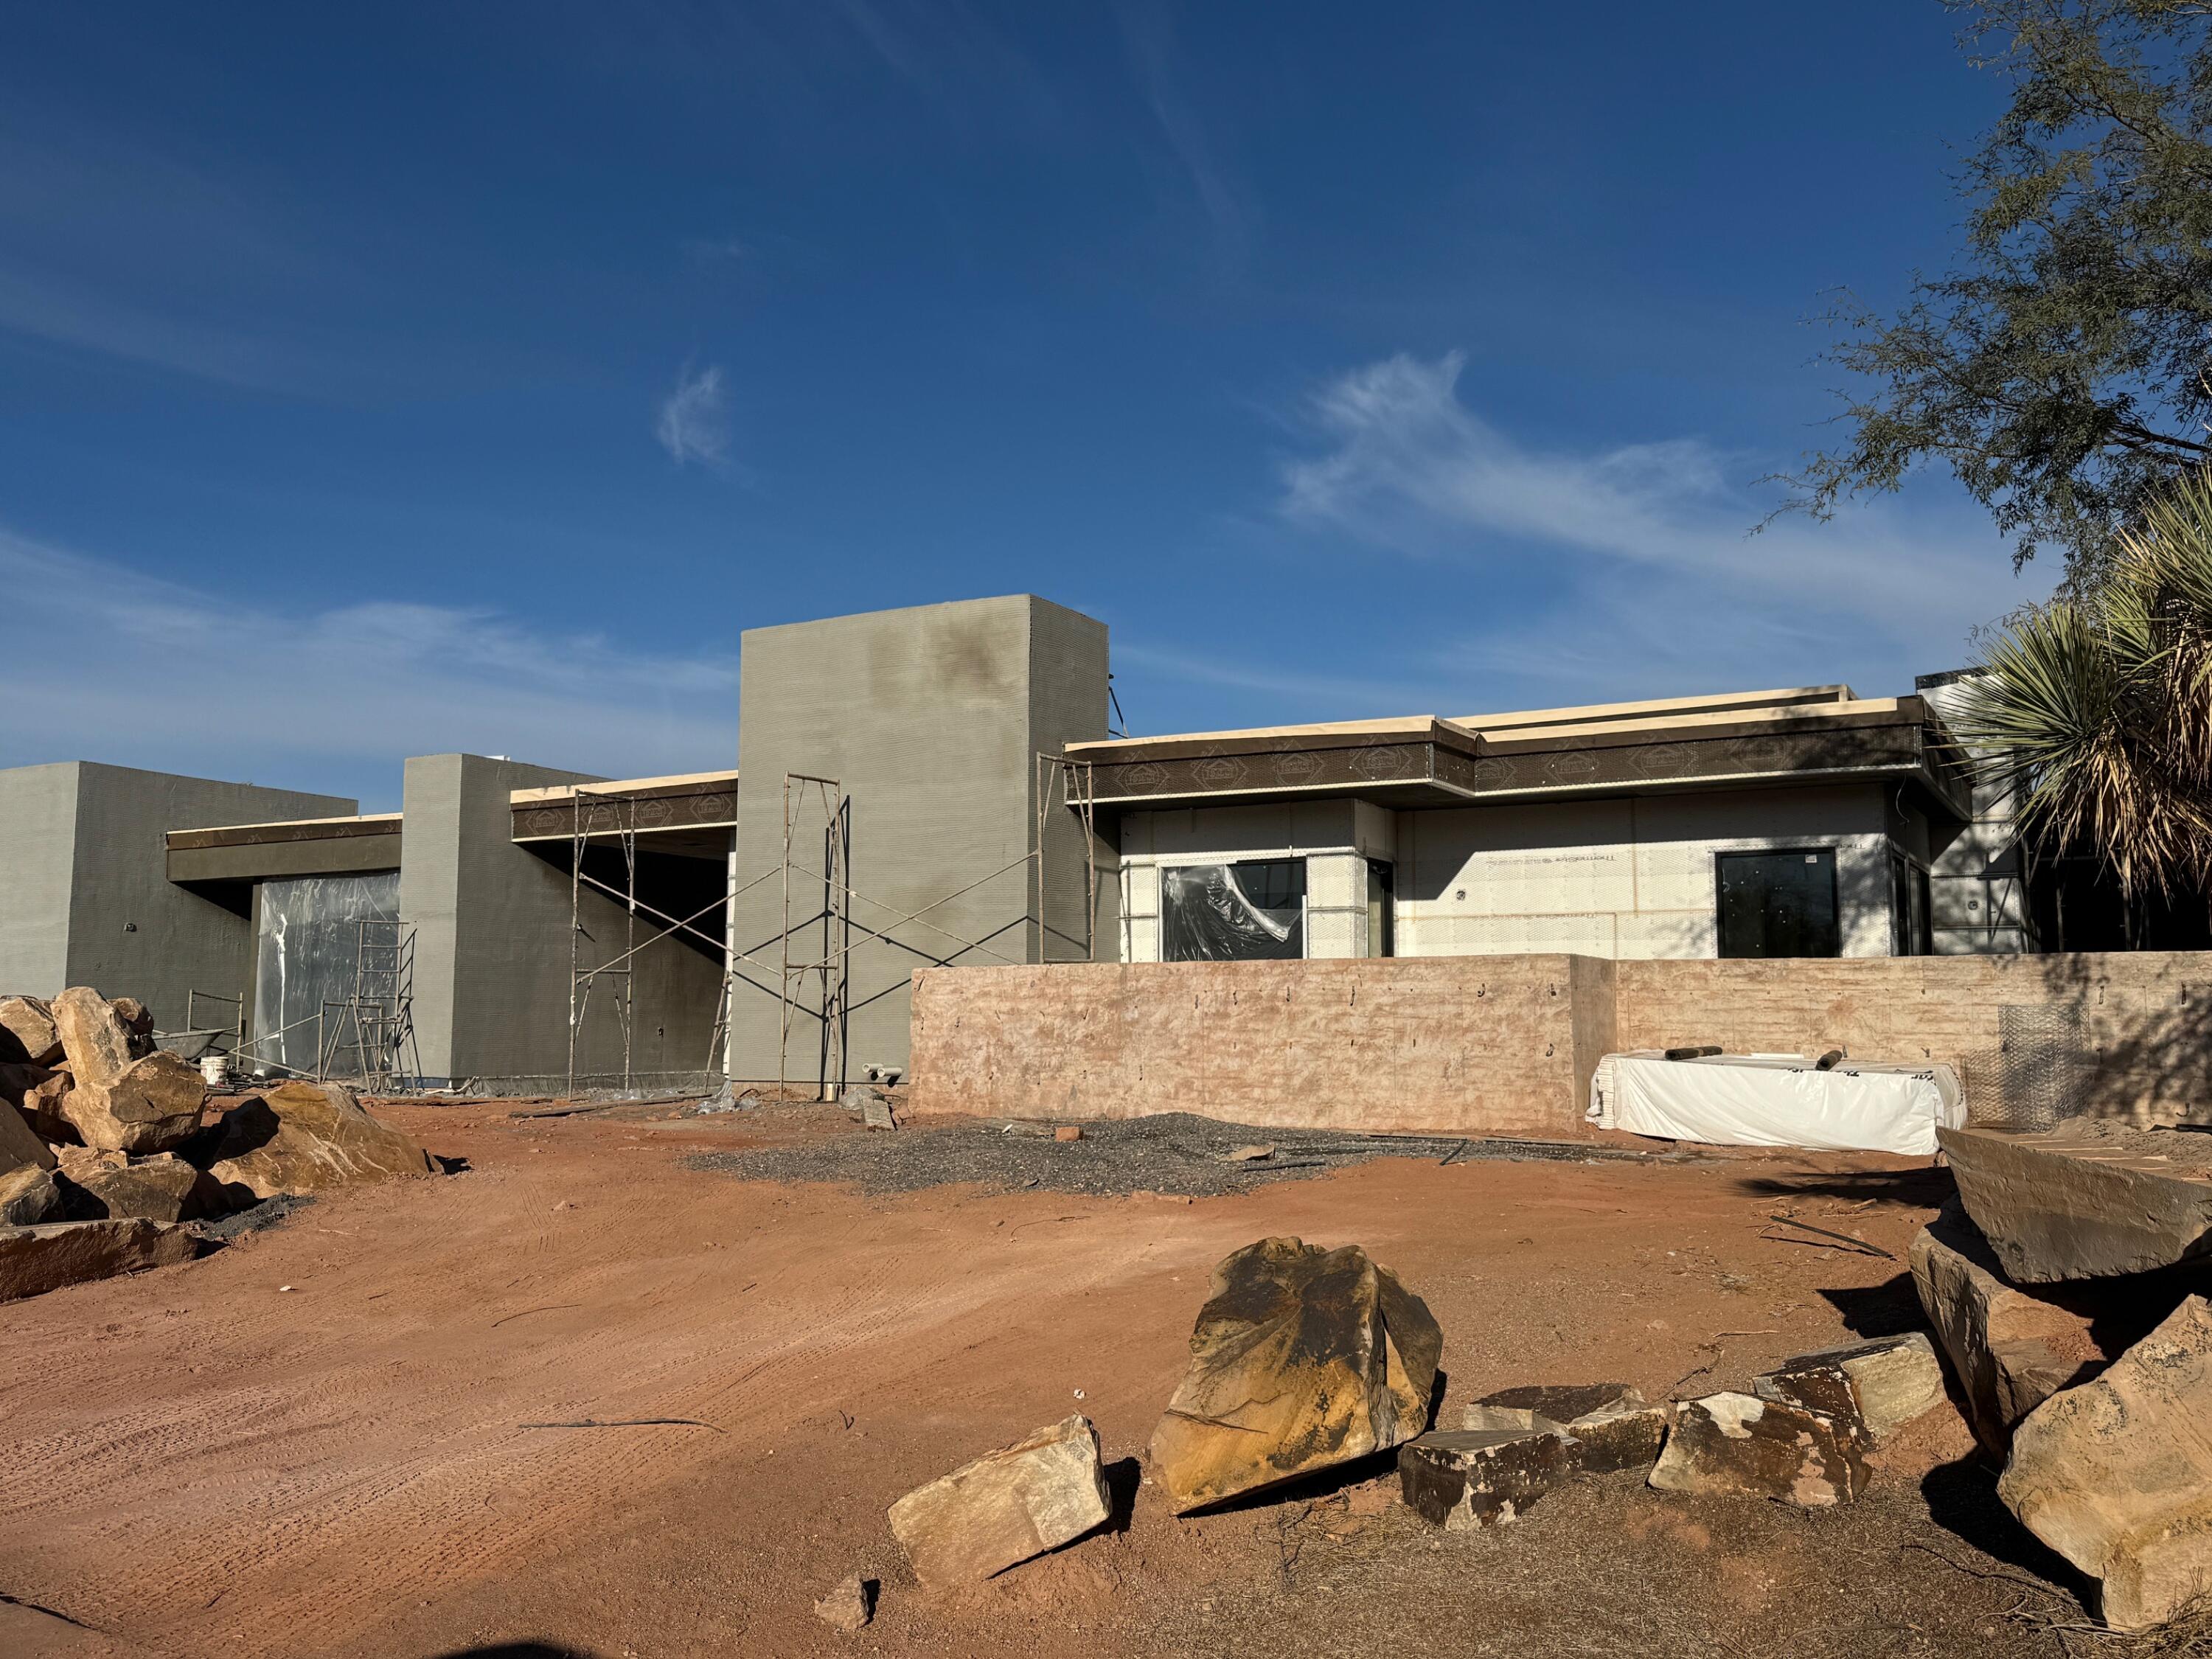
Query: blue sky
[{"x": 386, "y": 381}]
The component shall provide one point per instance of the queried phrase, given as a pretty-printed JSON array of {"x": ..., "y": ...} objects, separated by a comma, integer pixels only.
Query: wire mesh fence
[{"x": 2036, "y": 1077}]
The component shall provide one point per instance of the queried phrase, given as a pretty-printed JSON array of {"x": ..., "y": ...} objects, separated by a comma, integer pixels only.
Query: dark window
[
  {"x": 1250, "y": 911},
  {"x": 1911, "y": 927},
  {"x": 1779, "y": 904},
  {"x": 1382, "y": 910}
]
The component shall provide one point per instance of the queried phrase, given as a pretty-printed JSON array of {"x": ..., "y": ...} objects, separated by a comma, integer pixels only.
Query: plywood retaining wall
[{"x": 1505, "y": 1044}]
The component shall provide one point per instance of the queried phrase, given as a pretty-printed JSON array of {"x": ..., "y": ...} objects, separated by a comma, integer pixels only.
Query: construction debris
[
  {"x": 850, "y": 1606},
  {"x": 2116, "y": 1474},
  {"x": 1248, "y": 1154},
  {"x": 1464, "y": 1478},
  {"x": 1737, "y": 1444},
  {"x": 35, "y": 1259},
  {"x": 1880, "y": 1385},
  {"x": 1613, "y": 1427},
  {"x": 2084, "y": 1200},
  {"x": 301, "y": 1137},
  {"x": 1303, "y": 1358},
  {"x": 1008, "y": 1505}
]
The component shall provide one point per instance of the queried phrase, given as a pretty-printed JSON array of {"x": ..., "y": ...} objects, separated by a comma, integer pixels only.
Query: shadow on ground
[{"x": 1924, "y": 1188}]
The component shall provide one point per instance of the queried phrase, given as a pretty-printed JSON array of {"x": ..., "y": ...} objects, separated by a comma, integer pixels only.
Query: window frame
[{"x": 1808, "y": 851}]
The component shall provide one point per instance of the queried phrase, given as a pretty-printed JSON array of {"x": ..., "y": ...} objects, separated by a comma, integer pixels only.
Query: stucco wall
[
  {"x": 1505, "y": 1044},
  {"x": 492, "y": 956},
  {"x": 85, "y": 897},
  {"x": 931, "y": 720}
]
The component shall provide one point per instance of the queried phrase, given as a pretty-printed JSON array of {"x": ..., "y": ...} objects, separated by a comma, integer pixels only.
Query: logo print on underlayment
[{"x": 1219, "y": 773}]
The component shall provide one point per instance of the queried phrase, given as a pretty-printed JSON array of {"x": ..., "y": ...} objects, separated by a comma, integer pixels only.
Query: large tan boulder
[
  {"x": 1302, "y": 1358},
  {"x": 2115, "y": 1475},
  {"x": 115, "y": 1186},
  {"x": 2086, "y": 1201},
  {"x": 29, "y": 1196},
  {"x": 27, "y": 1032},
  {"x": 2010, "y": 1350},
  {"x": 1043, "y": 1491},
  {"x": 20, "y": 1145},
  {"x": 35, "y": 1259},
  {"x": 123, "y": 1098},
  {"x": 152, "y": 1105},
  {"x": 301, "y": 1137},
  {"x": 94, "y": 1036}
]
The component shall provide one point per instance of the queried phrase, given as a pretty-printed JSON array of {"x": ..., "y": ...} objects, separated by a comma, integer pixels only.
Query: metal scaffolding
[
  {"x": 811, "y": 802},
  {"x": 820, "y": 927}
]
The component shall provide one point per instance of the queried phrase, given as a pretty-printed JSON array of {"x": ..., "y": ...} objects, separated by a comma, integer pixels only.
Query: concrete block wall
[
  {"x": 1453, "y": 1047},
  {"x": 1506, "y": 1044},
  {"x": 2145, "y": 1017}
]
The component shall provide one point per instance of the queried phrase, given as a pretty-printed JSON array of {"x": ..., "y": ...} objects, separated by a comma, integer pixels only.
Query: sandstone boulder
[
  {"x": 2010, "y": 1351},
  {"x": 1302, "y": 1358},
  {"x": 2074, "y": 1203},
  {"x": 20, "y": 1145},
  {"x": 27, "y": 1032},
  {"x": 2115, "y": 1475},
  {"x": 1880, "y": 1385},
  {"x": 301, "y": 1137},
  {"x": 1739, "y": 1445},
  {"x": 1018, "y": 1502},
  {"x": 137, "y": 1024},
  {"x": 94, "y": 1036},
  {"x": 35, "y": 1259},
  {"x": 29, "y": 1196},
  {"x": 1468, "y": 1478},
  {"x": 114, "y": 1185},
  {"x": 151, "y": 1105},
  {"x": 36, "y": 1092},
  {"x": 1613, "y": 1427}
]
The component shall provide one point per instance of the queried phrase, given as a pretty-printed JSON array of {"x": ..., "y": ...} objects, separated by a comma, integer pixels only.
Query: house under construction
[{"x": 939, "y": 785}]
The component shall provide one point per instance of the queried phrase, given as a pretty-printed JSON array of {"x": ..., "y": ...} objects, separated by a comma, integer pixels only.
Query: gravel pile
[{"x": 1174, "y": 1153}]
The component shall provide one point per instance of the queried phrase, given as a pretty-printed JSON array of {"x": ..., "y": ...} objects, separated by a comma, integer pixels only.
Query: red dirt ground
[{"x": 316, "y": 1441}]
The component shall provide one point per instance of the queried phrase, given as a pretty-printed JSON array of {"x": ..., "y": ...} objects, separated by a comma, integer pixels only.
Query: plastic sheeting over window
[
  {"x": 1254, "y": 911},
  {"x": 307, "y": 949}
]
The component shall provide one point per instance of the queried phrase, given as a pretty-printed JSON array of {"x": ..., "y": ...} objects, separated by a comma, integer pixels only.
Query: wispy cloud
[
  {"x": 693, "y": 422},
  {"x": 1152, "y": 55},
  {"x": 1664, "y": 586},
  {"x": 140, "y": 671}
]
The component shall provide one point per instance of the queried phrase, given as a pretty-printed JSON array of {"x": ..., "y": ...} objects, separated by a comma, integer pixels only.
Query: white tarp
[{"x": 1769, "y": 1100}]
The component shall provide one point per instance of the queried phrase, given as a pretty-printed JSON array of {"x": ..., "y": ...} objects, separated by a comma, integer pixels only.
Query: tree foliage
[
  {"x": 2064, "y": 372},
  {"x": 2096, "y": 711}
]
